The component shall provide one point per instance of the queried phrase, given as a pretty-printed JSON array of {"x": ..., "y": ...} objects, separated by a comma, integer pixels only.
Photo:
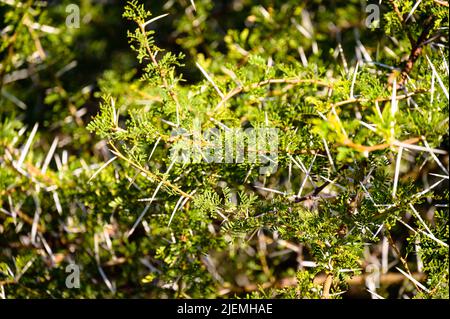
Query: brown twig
[
  {"x": 396, "y": 10},
  {"x": 37, "y": 41},
  {"x": 327, "y": 286},
  {"x": 364, "y": 148},
  {"x": 442, "y": 3},
  {"x": 416, "y": 49},
  {"x": 8, "y": 282},
  {"x": 416, "y": 46}
]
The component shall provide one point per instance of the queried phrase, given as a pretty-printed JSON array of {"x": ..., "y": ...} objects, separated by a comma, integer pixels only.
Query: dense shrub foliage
[{"x": 107, "y": 167}]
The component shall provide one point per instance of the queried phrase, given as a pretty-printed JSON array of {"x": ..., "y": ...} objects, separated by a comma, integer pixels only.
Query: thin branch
[
  {"x": 417, "y": 48},
  {"x": 442, "y": 3},
  {"x": 364, "y": 148},
  {"x": 327, "y": 286},
  {"x": 148, "y": 173},
  {"x": 253, "y": 86},
  {"x": 399, "y": 255},
  {"x": 381, "y": 99},
  {"x": 161, "y": 72}
]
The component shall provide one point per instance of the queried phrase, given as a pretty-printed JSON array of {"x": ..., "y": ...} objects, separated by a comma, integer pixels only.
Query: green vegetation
[{"x": 105, "y": 164}]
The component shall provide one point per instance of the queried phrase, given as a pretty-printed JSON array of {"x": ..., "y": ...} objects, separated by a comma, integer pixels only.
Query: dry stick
[
  {"x": 160, "y": 71},
  {"x": 327, "y": 286},
  {"x": 403, "y": 261},
  {"x": 442, "y": 3}
]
